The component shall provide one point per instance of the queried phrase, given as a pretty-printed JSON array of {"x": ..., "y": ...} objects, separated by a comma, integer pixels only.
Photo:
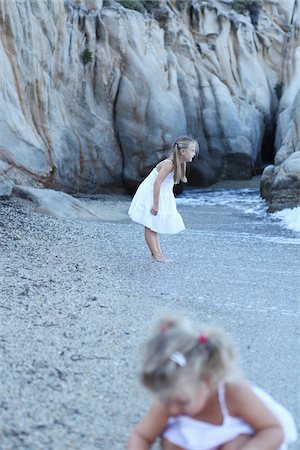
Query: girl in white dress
[
  {"x": 154, "y": 203},
  {"x": 202, "y": 401}
]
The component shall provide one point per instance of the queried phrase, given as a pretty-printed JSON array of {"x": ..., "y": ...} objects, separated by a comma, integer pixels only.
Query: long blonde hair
[
  {"x": 176, "y": 350},
  {"x": 181, "y": 143}
]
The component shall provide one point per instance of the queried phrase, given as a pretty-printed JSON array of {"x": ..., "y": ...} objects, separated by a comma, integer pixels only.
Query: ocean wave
[
  {"x": 289, "y": 218},
  {"x": 247, "y": 200}
]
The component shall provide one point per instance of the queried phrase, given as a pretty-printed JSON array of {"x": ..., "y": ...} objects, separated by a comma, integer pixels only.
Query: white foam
[
  {"x": 290, "y": 218},
  {"x": 248, "y": 199}
]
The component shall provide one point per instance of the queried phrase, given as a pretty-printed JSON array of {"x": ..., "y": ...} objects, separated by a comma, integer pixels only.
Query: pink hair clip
[{"x": 202, "y": 339}]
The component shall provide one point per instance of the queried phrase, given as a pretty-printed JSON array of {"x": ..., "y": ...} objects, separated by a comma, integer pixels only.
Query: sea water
[{"x": 247, "y": 200}]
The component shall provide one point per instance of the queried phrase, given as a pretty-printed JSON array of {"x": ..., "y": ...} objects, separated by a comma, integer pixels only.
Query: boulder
[
  {"x": 280, "y": 183},
  {"x": 54, "y": 203},
  {"x": 6, "y": 187}
]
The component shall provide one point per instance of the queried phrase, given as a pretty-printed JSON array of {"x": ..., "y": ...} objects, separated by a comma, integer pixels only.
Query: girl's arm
[
  {"x": 165, "y": 169},
  {"x": 150, "y": 428},
  {"x": 244, "y": 403}
]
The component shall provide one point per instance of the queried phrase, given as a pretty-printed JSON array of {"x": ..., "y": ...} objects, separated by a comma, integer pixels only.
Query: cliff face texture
[
  {"x": 92, "y": 94},
  {"x": 280, "y": 183}
]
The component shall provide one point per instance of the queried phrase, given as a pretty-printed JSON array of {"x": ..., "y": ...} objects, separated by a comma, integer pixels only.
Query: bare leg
[
  {"x": 150, "y": 239},
  {"x": 153, "y": 242},
  {"x": 160, "y": 250},
  {"x": 167, "y": 445},
  {"x": 157, "y": 240},
  {"x": 237, "y": 443}
]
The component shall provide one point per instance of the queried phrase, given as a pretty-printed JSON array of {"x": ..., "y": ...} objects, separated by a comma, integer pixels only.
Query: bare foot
[{"x": 158, "y": 257}]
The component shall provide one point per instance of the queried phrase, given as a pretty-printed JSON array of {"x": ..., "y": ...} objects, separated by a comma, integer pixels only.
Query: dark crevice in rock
[
  {"x": 267, "y": 152},
  {"x": 294, "y": 12},
  {"x": 116, "y": 129}
]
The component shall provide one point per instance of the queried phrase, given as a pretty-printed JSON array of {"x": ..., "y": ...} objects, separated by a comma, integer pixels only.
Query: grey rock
[
  {"x": 280, "y": 183},
  {"x": 6, "y": 187},
  {"x": 96, "y": 93},
  {"x": 57, "y": 204}
]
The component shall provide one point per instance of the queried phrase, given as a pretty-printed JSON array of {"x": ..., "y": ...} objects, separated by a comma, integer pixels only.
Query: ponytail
[{"x": 219, "y": 363}]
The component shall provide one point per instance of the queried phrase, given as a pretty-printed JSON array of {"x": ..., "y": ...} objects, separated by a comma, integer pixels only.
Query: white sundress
[
  {"x": 192, "y": 434},
  {"x": 168, "y": 220}
]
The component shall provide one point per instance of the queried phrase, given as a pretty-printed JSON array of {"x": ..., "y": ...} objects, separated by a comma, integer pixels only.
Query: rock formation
[
  {"x": 53, "y": 203},
  {"x": 280, "y": 183},
  {"x": 92, "y": 94}
]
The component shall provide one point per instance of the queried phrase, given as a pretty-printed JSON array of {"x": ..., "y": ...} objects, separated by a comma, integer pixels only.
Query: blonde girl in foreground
[
  {"x": 202, "y": 403},
  {"x": 154, "y": 204}
]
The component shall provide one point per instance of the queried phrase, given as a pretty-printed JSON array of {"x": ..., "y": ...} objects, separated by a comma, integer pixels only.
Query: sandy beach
[{"x": 79, "y": 297}]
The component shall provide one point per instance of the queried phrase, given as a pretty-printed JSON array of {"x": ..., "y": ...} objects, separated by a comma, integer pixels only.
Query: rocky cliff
[
  {"x": 280, "y": 182},
  {"x": 92, "y": 93}
]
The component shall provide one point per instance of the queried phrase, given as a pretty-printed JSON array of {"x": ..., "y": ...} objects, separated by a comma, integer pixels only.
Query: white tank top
[{"x": 193, "y": 434}]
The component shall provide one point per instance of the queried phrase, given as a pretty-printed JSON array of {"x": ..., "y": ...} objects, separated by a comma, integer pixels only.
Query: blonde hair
[
  {"x": 181, "y": 143},
  {"x": 210, "y": 356}
]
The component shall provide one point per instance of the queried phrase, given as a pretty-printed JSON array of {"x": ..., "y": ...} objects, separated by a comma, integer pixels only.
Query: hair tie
[{"x": 202, "y": 339}]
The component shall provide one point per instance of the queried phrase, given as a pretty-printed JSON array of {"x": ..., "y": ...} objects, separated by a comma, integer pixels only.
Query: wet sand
[{"x": 79, "y": 297}]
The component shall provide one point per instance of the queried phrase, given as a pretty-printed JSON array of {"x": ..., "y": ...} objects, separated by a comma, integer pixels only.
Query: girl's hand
[
  {"x": 164, "y": 168},
  {"x": 149, "y": 429}
]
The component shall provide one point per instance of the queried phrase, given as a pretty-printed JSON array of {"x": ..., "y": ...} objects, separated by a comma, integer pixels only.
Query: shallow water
[{"x": 247, "y": 201}]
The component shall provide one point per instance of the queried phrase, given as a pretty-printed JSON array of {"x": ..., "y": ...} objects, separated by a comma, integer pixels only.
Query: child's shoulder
[
  {"x": 237, "y": 394},
  {"x": 236, "y": 388},
  {"x": 233, "y": 386},
  {"x": 165, "y": 163}
]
